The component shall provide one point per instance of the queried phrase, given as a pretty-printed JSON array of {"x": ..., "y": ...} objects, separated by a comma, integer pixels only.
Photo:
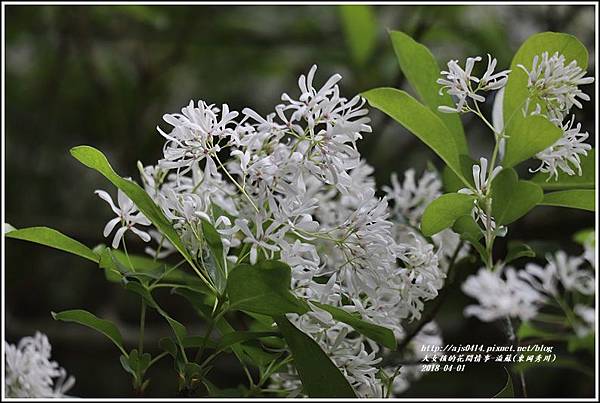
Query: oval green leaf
[
  {"x": 529, "y": 136},
  {"x": 444, "y": 211},
  {"x": 90, "y": 320},
  {"x": 54, "y": 239},
  {"x": 320, "y": 377},
  {"x": 263, "y": 288},
  {"x": 422, "y": 122},
  {"x": 583, "y": 199},
  {"x": 421, "y": 70},
  {"x": 513, "y": 198},
  {"x": 377, "y": 333}
]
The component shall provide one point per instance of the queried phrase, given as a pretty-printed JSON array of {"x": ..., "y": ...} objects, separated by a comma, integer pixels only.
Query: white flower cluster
[
  {"x": 291, "y": 186},
  {"x": 553, "y": 91},
  {"x": 501, "y": 293},
  {"x": 508, "y": 292},
  {"x": 29, "y": 373},
  {"x": 460, "y": 84}
]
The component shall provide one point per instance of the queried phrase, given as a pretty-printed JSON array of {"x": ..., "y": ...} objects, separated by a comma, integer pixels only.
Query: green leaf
[
  {"x": 263, "y": 288},
  {"x": 444, "y": 211},
  {"x": 54, "y": 239},
  {"x": 320, "y": 377},
  {"x": 508, "y": 390},
  {"x": 518, "y": 250},
  {"x": 516, "y": 91},
  {"x": 228, "y": 339},
  {"x": 587, "y": 180},
  {"x": 422, "y": 70},
  {"x": 528, "y": 136},
  {"x": 136, "y": 364},
  {"x": 513, "y": 198},
  {"x": 467, "y": 228},
  {"x": 585, "y": 236},
  {"x": 422, "y": 122},
  {"x": 360, "y": 28},
  {"x": 213, "y": 239},
  {"x": 249, "y": 352},
  {"x": 94, "y": 159},
  {"x": 90, "y": 320},
  {"x": 577, "y": 198},
  {"x": 450, "y": 181},
  {"x": 377, "y": 333}
]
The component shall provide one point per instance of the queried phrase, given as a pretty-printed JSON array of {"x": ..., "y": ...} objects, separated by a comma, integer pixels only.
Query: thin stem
[
  {"x": 142, "y": 327},
  {"x": 512, "y": 339},
  {"x": 477, "y": 112},
  {"x": 568, "y": 313},
  {"x": 211, "y": 325},
  {"x": 127, "y": 255},
  {"x": 160, "y": 244},
  {"x": 236, "y": 184},
  {"x": 158, "y": 357}
]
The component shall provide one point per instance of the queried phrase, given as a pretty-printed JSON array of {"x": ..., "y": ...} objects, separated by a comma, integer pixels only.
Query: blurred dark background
[{"x": 105, "y": 75}]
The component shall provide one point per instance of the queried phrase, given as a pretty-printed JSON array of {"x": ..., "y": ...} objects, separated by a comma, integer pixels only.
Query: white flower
[
  {"x": 572, "y": 273},
  {"x": 588, "y": 317},
  {"x": 127, "y": 215},
  {"x": 543, "y": 279},
  {"x": 561, "y": 269},
  {"x": 481, "y": 179},
  {"x": 412, "y": 196},
  {"x": 196, "y": 134},
  {"x": 557, "y": 85},
  {"x": 421, "y": 276},
  {"x": 458, "y": 83},
  {"x": 487, "y": 222},
  {"x": 29, "y": 373},
  {"x": 265, "y": 239},
  {"x": 490, "y": 81},
  {"x": 499, "y": 297},
  {"x": 566, "y": 153},
  {"x": 165, "y": 247}
]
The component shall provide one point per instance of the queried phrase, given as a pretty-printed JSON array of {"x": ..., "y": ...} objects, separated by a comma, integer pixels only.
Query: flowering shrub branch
[{"x": 277, "y": 217}]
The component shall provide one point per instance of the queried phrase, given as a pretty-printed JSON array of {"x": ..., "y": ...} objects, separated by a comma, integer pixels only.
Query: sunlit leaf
[
  {"x": 576, "y": 198},
  {"x": 528, "y": 136},
  {"x": 423, "y": 123},
  {"x": 90, "y": 320},
  {"x": 513, "y": 198},
  {"x": 422, "y": 70},
  {"x": 444, "y": 211},
  {"x": 54, "y": 239},
  {"x": 263, "y": 288}
]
